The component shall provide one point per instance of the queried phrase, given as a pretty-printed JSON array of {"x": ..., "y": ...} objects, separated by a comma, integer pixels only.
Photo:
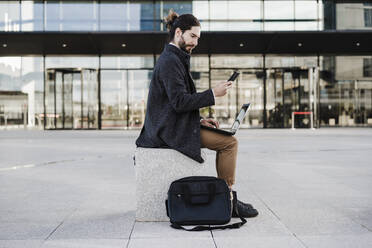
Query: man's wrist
[{"x": 214, "y": 96}]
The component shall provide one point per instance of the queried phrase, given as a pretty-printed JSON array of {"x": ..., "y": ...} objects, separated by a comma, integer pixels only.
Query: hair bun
[{"x": 169, "y": 20}]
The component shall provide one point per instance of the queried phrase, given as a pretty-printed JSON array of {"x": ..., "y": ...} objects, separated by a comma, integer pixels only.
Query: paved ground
[{"x": 76, "y": 189}]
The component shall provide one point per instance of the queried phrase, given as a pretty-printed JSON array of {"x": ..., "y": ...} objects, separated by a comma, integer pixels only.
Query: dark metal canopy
[{"x": 97, "y": 43}]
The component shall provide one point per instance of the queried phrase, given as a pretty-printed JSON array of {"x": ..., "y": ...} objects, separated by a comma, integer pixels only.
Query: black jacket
[{"x": 172, "y": 116}]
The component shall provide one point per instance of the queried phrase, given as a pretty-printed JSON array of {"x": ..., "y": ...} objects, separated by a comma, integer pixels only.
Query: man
[{"x": 172, "y": 118}]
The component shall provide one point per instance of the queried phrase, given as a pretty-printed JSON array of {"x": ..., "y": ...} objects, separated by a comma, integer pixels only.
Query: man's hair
[{"x": 184, "y": 22}]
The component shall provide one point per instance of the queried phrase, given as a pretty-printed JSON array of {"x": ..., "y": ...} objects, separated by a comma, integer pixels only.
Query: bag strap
[{"x": 204, "y": 228}]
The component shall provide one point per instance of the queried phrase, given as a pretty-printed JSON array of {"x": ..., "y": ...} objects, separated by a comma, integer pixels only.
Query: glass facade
[
  {"x": 345, "y": 92},
  {"x": 21, "y": 91},
  {"x": 66, "y": 92},
  {"x": 110, "y": 91},
  {"x": 215, "y": 15}
]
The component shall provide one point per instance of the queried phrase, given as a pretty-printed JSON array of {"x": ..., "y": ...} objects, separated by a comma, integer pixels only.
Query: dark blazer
[{"x": 172, "y": 116}]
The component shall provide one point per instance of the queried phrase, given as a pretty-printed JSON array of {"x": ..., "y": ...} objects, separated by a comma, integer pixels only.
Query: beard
[{"x": 183, "y": 46}]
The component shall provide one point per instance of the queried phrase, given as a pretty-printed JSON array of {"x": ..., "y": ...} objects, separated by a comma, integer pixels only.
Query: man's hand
[
  {"x": 221, "y": 88},
  {"x": 210, "y": 123}
]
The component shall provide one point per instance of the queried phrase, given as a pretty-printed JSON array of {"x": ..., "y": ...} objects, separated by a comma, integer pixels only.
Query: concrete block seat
[{"x": 155, "y": 170}]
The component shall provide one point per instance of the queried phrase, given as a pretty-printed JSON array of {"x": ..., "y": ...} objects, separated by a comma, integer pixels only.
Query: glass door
[
  {"x": 138, "y": 87},
  {"x": 355, "y": 103},
  {"x": 363, "y": 103},
  {"x": 250, "y": 90},
  {"x": 67, "y": 106},
  {"x": 89, "y": 83},
  {"x": 124, "y": 98},
  {"x": 290, "y": 90},
  {"x": 71, "y": 99},
  {"x": 114, "y": 99}
]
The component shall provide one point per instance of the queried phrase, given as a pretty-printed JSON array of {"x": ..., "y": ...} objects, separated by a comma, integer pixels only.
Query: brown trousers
[{"x": 226, "y": 148}]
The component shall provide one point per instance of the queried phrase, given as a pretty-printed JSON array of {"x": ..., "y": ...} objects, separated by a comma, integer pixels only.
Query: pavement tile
[
  {"x": 339, "y": 241},
  {"x": 265, "y": 224},
  {"x": 362, "y": 216},
  {"x": 163, "y": 230},
  {"x": 85, "y": 243},
  {"x": 30, "y": 243},
  {"x": 318, "y": 221},
  {"x": 25, "y": 230},
  {"x": 313, "y": 185},
  {"x": 96, "y": 225},
  {"x": 196, "y": 242},
  {"x": 259, "y": 242}
]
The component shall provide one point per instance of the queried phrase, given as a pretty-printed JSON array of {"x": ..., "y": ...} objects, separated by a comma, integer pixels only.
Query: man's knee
[{"x": 234, "y": 141}]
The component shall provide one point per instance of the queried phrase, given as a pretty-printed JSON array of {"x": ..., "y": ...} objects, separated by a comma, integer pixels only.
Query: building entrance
[
  {"x": 291, "y": 93},
  {"x": 123, "y": 97},
  {"x": 71, "y": 98}
]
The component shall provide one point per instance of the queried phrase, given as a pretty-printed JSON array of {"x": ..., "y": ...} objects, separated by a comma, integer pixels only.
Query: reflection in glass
[
  {"x": 279, "y": 26},
  {"x": 218, "y": 10},
  {"x": 353, "y": 16},
  {"x": 306, "y": 9},
  {"x": 71, "y": 62},
  {"x": 33, "y": 86},
  {"x": 184, "y": 7},
  {"x": 290, "y": 61},
  {"x": 236, "y": 61},
  {"x": 250, "y": 90},
  {"x": 345, "y": 92},
  {"x": 32, "y": 15},
  {"x": 49, "y": 100},
  {"x": 234, "y": 25},
  {"x": 138, "y": 86},
  {"x": 368, "y": 17},
  {"x": 71, "y": 98},
  {"x": 9, "y": 16},
  {"x": 147, "y": 17},
  {"x": 200, "y": 9},
  {"x": 59, "y": 81},
  {"x": 127, "y": 62},
  {"x": 77, "y": 101},
  {"x": 287, "y": 91},
  {"x": 67, "y": 112},
  {"x": 13, "y": 99},
  {"x": 90, "y": 99},
  {"x": 114, "y": 99},
  {"x": 244, "y": 10},
  {"x": 71, "y": 16},
  {"x": 225, "y": 108},
  {"x": 199, "y": 63},
  {"x": 303, "y": 26},
  {"x": 279, "y": 10},
  {"x": 114, "y": 16}
]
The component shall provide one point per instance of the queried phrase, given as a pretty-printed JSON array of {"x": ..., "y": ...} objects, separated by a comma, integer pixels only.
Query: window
[
  {"x": 9, "y": 16},
  {"x": 368, "y": 17},
  {"x": 71, "y": 16},
  {"x": 367, "y": 67},
  {"x": 32, "y": 15},
  {"x": 113, "y": 16}
]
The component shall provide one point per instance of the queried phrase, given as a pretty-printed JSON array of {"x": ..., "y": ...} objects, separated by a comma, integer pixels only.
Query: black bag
[{"x": 200, "y": 200}]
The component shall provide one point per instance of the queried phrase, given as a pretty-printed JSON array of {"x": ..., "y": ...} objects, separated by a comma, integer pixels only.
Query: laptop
[{"x": 239, "y": 119}]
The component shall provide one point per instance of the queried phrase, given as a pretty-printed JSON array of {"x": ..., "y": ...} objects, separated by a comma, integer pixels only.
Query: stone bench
[{"x": 155, "y": 170}]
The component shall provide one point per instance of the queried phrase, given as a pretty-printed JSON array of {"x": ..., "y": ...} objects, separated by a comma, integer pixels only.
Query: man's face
[{"x": 189, "y": 39}]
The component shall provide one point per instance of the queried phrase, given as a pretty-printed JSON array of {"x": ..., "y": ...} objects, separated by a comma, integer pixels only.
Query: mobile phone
[{"x": 234, "y": 76}]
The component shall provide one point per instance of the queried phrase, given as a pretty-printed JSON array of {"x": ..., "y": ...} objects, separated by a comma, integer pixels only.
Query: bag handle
[
  {"x": 188, "y": 196},
  {"x": 204, "y": 228}
]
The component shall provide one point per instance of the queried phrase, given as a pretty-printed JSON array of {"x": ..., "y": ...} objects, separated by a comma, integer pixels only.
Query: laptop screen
[{"x": 239, "y": 119}]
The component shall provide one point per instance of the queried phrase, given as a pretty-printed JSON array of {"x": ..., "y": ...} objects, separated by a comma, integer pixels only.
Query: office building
[{"x": 88, "y": 64}]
